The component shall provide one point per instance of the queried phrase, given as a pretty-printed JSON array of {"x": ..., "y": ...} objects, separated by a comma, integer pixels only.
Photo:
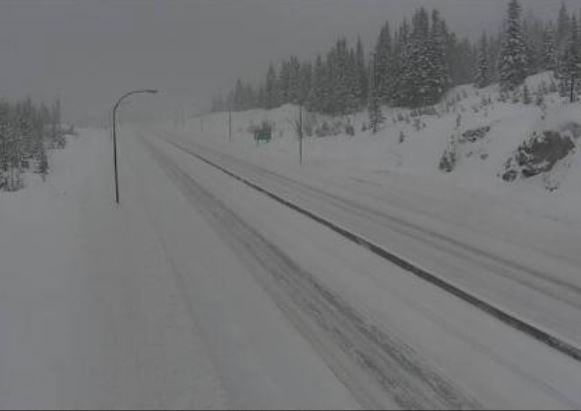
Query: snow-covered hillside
[{"x": 466, "y": 142}]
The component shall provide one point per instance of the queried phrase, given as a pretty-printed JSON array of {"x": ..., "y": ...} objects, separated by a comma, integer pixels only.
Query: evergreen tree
[
  {"x": 25, "y": 128},
  {"x": 420, "y": 65},
  {"x": 549, "y": 48},
  {"x": 342, "y": 75},
  {"x": 331, "y": 85},
  {"x": 317, "y": 99},
  {"x": 440, "y": 73},
  {"x": 14, "y": 151},
  {"x": 416, "y": 83},
  {"x": 563, "y": 26},
  {"x": 513, "y": 60},
  {"x": 571, "y": 71},
  {"x": 420, "y": 61},
  {"x": 384, "y": 58},
  {"x": 40, "y": 150},
  {"x": 294, "y": 87},
  {"x": 4, "y": 145},
  {"x": 353, "y": 102},
  {"x": 374, "y": 105},
  {"x": 398, "y": 64},
  {"x": 533, "y": 35},
  {"x": 270, "y": 89},
  {"x": 482, "y": 78},
  {"x": 361, "y": 73},
  {"x": 563, "y": 31},
  {"x": 494, "y": 47},
  {"x": 42, "y": 167},
  {"x": 284, "y": 84}
]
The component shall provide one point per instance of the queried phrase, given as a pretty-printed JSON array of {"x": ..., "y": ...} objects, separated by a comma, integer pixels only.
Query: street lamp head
[{"x": 151, "y": 91}]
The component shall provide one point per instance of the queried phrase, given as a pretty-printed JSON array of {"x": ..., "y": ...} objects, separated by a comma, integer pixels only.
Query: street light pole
[
  {"x": 115, "y": 107},
  {"x": 300, "y": 134},
  {"x": 230, "y": 123}
]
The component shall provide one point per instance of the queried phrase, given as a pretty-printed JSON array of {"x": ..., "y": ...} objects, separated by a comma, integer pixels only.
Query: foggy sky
[{"x": 89, "y": 52}]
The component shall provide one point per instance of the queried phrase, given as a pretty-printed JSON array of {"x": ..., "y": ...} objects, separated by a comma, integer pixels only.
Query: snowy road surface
[
  {"x": 535, "y": 286},
  {"x": 201, "y": 292},
  {"x": 451, "y": 347}
]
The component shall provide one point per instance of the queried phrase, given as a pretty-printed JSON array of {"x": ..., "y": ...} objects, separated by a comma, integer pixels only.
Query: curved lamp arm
[{"x": 150, "y": 91}]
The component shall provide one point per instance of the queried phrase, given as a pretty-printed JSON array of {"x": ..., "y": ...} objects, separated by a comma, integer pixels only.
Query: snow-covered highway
[
  {"x": 529, "y": 286},
  {"x": 444, "y": 347}
]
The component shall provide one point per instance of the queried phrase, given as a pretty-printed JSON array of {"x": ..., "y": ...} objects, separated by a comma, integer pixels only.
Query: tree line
[
  {"x": 528, "y": 45},
  {"x": 414, "y": 64},
  {"x": 27, "y": 131}
]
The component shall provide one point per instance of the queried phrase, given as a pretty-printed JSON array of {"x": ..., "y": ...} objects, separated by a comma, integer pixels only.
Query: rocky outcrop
[
  {"x": 538, "y": 155},
  {"x": 473, "y": 135}
]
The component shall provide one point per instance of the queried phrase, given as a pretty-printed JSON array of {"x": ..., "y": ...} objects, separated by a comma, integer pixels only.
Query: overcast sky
[{"x": 88, "y": 52}]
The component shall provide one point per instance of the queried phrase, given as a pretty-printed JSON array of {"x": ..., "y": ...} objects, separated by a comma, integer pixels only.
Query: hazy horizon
[{"x": 90, "y": 52}]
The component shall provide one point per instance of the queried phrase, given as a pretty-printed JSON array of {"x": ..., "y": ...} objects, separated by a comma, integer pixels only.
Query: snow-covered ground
[{"x": 199, "y": 292}]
